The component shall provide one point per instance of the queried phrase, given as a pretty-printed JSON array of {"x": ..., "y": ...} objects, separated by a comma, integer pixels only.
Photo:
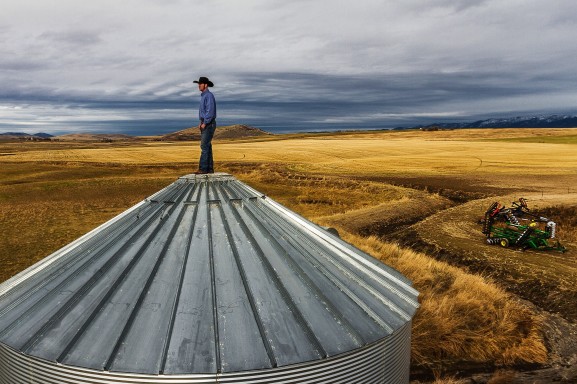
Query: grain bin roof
[{"x": 206, "y": 276}]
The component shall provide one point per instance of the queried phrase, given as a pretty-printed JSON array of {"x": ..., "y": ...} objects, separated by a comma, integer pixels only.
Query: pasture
[{"x": 410, "y": 198}]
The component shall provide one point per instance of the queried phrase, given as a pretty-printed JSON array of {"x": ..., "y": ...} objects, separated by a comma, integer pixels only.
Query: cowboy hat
[{"x": 204, "y": 80}]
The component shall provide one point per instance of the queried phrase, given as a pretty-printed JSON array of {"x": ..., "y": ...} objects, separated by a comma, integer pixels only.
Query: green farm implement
[{"x": 518, "y": 227}]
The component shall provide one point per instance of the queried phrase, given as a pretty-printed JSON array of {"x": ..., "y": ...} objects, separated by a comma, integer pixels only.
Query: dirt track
[{"x": 546, "y": 278}]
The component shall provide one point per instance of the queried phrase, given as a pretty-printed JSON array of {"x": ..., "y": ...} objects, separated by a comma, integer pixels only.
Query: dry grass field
[{"x": 409, "y": 198}]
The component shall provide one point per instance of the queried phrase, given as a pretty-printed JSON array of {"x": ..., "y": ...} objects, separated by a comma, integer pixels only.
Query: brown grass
[
  {"x": 389, "y": 215},
  {"x": 566, "y": 218},
  {"x": 314, "y": 196},
  {"x": 463, "y": 318}
]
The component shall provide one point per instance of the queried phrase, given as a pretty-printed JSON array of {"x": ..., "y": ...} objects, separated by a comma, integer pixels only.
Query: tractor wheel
[{"x": 504, "y": 242}]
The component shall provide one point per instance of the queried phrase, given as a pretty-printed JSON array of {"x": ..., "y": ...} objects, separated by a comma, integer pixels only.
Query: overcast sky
[{"x": 128, "y": 66}]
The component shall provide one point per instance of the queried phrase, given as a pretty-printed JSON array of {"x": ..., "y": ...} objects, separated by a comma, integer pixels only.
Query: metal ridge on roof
[{"x": 207, "y": 276}]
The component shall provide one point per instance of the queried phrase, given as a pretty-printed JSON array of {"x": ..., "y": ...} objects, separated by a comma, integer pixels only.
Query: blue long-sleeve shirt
[{"x": 207, "y": 110}]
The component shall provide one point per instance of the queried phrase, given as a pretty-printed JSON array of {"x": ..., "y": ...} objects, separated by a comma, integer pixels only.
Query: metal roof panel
[{"x": 207, "y": 276}]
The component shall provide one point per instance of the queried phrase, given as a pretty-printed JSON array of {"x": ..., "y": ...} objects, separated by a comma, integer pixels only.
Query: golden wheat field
[{"x": 411, "y": 199}]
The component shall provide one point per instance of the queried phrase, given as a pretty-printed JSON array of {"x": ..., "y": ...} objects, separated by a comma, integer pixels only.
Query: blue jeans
[{"x": 206, "y": 163}]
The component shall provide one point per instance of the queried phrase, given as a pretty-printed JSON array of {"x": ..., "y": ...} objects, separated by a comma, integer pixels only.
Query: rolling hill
[{"x": 225, "y": 132}]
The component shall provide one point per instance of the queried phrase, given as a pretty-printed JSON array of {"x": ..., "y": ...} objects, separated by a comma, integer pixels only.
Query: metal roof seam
[
  {"x": 353, "y": 274},
  {"x": 330, "y": 277},
  {"x": 33, "y": 308},
  {"x": 145, "y": 290},
  {"x": 72, "y": 258},
  {"x": 334, "y": 244},
  {"x": 333, "y": 310},
  {"x": 180, "y": 279},
  {"x": 282, "y": 289},
  {"x": 162, "y": 191},
  {"x": 15, "y": 281},
  {"x": 249, "y": 293},
  {"x": 393, "y": 286},
  {"x": 111, "y": 289},
  {"x": 213, "y": 289},
  {"x": 224, "y": 190},
  {"x": 240, "y": 189}
]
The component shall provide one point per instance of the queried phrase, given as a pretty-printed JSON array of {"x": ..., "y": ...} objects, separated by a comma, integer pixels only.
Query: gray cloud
[
  {"x": 279, "y": 63},
  {"x": 73, "y": 38}
]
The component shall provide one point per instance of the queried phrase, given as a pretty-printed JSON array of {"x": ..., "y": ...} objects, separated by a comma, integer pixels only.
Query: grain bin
[{"x": 207, "y": 281}]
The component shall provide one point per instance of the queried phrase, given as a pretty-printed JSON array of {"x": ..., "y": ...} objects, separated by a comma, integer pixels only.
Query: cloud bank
[{"x": 129, "y": 66}]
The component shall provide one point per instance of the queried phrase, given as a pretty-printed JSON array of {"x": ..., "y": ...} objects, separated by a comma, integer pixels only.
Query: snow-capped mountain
[{"x": 543, "y": 121}]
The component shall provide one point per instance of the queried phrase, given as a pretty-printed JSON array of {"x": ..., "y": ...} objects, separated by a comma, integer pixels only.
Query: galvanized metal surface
[
  {"x": 381, "y": 363},
  {"x": 206, "y": 279}
]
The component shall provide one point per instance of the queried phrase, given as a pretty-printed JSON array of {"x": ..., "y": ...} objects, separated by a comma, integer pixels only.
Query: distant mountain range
[
  {"x": 40, "y": 135},
  {"x": 236, "y": 131},
  {"x": 548, "y": 121}
]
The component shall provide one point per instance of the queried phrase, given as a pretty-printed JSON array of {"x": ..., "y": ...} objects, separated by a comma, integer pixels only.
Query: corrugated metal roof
[{"x": 206, "y": 276}]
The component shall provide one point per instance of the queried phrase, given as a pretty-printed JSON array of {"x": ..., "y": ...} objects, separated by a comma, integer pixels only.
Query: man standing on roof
[{"x": 207, "y": 125}]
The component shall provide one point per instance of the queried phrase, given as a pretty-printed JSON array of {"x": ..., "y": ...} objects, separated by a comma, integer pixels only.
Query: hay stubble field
[{"x": 410, "y": 198}]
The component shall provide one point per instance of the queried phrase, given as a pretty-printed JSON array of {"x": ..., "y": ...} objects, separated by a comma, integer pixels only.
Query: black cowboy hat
[{"x": 204, "y": 80}]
